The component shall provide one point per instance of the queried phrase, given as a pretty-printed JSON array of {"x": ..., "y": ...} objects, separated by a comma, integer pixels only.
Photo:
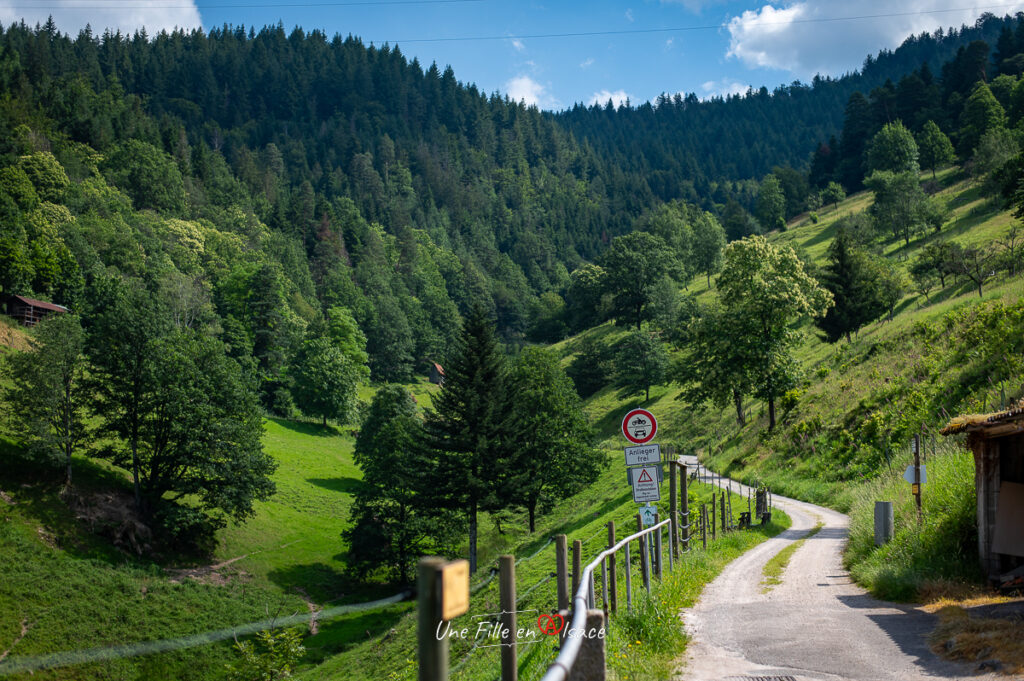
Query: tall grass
[{"x": 939, "y": 549}]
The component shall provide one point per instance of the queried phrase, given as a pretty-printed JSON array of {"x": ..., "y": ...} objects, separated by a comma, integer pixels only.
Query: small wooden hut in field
[
  {"x": 997, "y": 441},
  {"x": 436, "y": 373},
  {"x": 30, "y": 311}
]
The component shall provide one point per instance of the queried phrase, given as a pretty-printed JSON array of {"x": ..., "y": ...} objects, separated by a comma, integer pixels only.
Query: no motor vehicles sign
[{"x": 639, "y": 426}]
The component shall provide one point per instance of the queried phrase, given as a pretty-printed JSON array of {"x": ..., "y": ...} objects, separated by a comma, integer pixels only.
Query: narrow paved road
[{"x": 816, "y": 624}]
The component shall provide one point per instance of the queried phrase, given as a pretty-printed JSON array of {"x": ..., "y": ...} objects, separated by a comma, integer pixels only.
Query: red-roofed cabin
[
  {"x": 436, "y": 373},
  {"x": 30, "y": 311}
]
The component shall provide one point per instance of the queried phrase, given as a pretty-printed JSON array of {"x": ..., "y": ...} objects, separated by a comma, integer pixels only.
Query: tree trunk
[
  {"x": 737, "y": 399},
  {"x": 325, "y": 422},
  {"x": 472, "y": 538},
  {"x": 979, "y": 287},
  {"x": 135, "y": 473},
  {"x": 533, "y": 515},
  {"x": 709, "y": 279},
  {"x": 848, "y": 336},
  {"x": 647, "y": 394},
  {"x": 771, "y": 412}
]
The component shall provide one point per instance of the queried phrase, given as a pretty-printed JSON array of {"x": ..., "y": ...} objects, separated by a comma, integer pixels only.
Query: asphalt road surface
[{"x": 816, "y": 624}]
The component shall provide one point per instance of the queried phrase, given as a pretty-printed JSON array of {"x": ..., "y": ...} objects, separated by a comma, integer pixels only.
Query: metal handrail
[{"x": 559, "y": 669}]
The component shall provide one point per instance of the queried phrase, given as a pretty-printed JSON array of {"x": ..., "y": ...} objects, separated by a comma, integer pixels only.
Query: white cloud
[
  {"x": 527, "y": 90},
  {"x": 71, "y": 16},
  {"x": 669, "y": 42},
  {"x": 629, "y": 15},
  {"x": 587, "y": 63},
  {"x": 601, "y": 98},
  {"x": 723, "y": 88},
  {"x": 799, "y": 38},
  {"x": 518, "y": 44}
]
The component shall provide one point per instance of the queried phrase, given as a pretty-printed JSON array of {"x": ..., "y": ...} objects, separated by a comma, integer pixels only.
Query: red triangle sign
[{"x": 644, "y": 476}]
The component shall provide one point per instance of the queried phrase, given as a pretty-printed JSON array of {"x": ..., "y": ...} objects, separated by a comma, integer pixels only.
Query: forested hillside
[{"x": 347, "y": 175}]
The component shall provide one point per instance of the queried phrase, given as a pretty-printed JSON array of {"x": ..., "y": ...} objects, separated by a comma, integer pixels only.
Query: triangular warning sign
[{"x": 645, "y": 476}]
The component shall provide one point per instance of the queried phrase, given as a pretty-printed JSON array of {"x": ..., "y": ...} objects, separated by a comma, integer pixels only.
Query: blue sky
[{"x": 641, "y": 48}]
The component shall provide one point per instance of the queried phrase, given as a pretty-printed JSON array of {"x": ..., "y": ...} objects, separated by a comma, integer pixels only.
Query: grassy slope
[{"x": 294, "y": 539}]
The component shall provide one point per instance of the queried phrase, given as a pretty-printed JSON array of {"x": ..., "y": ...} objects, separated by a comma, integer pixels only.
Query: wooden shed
[
  {"x": 436, "y": 373},
  {"x": 30, "y": 311},
  {"x": 997, "y": 441}
]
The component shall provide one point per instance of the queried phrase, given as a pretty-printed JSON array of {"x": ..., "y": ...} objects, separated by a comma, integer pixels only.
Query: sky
[{"x": 557, "y": 53}]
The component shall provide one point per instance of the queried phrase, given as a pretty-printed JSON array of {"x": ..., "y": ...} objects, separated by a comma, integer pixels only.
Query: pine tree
[{"x": 464, "y": 434}]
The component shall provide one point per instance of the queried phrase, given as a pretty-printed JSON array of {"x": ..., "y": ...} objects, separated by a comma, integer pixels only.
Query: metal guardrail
[{"x": 560, "y": 668}]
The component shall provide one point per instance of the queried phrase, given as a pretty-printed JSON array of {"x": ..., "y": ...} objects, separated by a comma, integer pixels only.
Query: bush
[{"x": 941, "y": 549}]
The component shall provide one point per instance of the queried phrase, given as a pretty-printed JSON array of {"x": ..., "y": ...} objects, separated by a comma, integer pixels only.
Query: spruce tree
[{"x": 464, "y": 433}]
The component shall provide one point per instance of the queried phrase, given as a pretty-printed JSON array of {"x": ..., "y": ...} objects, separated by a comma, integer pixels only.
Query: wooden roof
[
  {"x": 1006, "y": 422},
  {"x": 42, "y": 304}
]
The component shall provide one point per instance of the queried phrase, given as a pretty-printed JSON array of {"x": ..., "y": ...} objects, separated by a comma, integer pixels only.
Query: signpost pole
[
  {"x": 917, "y": 477},
  {"x": 612, "y": 579},
  {"x": 644, "y": 559}
]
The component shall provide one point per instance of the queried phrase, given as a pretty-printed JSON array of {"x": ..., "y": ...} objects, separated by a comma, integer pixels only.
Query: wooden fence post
[
  {"x": 629, "y": 581},
  {"x": 714, "y": 521},
  {"x": 685, "y": 498},
  {"x": 657, "y": 547},
  {"x": 704, "y": 526},
  {"x": 644, "y": 558},
  {"x": 507, "y": 587},
  {"x": 577, "y": 554},
  {"x": 562, "y": 571},
  {"x": 673, "y": 511},
  {"x": 433, "y": 649},
  {"x": 613, "y": 597}
]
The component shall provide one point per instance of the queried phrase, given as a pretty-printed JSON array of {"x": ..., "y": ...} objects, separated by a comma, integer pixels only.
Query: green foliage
[
  {"x": 634, "y": 264},
  {"x": 901, "y": 205},
  {"x": 324, "y": 381},
  {"x": 718, "y": 361},
  {"x": 768, "y": 289},
  {"x": 893, "y": 148},
  {"x": 833, "y": 193},
  {"x": 47, "y": 396},
  {"x": 390, "y": 527},
  {"x": 936, "y": 149},
  {"x": 584, "y": 298},
  {"x": 465, "y": 442},
  {"x": 46, "y": 174},
  {"x": 148, "y": 175},
  {"x": 273, "y": 656},
  {"x": 851, "y": 276},
  {"x": 708, "y": 243},
  {"x": 591, "y": 368},
  {"x": 640, "y": 362},
  {"x": 994, "y": 150},
  {"x": 554, "y": 457},
  {"x": 981, "y": 114},
  {"x": 187, "y": 415},
  {"x": 944, "y": 547},
  {"x": 771, "y": 204}
]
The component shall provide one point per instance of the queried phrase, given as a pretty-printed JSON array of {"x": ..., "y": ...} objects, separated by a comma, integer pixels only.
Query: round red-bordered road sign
[{"x": 639, "y": 426}]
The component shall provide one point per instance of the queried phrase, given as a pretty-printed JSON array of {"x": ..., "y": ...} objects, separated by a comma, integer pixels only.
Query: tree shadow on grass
[
  {"x": 307, "y": 428},
  {"x": 343, "y": 484},
  {"x": 323, "y": 584},
  {"x": 569, "y": 527},
  {"x": 338, "y": 635}
]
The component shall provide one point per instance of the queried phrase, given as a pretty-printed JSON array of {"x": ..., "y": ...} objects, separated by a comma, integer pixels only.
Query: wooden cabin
[
  {"x": 436, "y": 373},
  {"x": 30, "y": 311},
  {"x": 997, "y": 441}
]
